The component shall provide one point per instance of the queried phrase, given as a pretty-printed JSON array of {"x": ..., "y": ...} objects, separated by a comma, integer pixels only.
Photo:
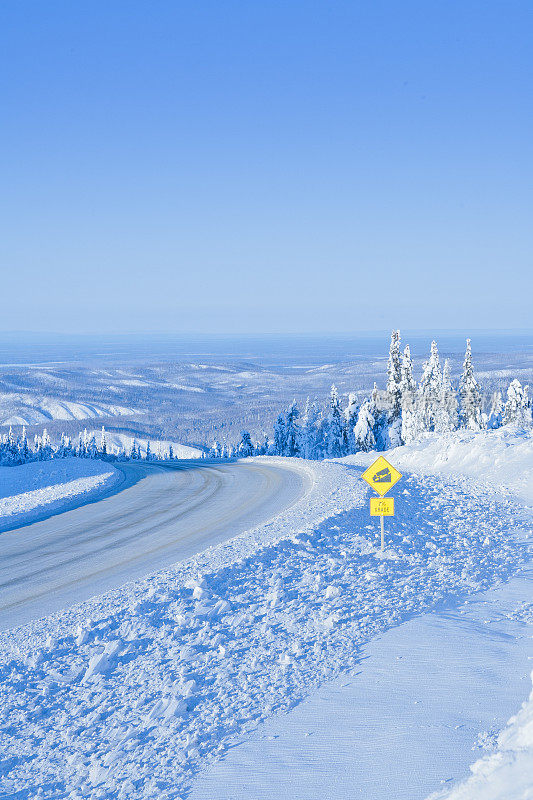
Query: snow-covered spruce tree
[
  {"x": 280, "y": 436},
  {"x": 292, "y": 431},
  {"x": 447, "y": 413},
  {"x": 430, "y": 391},
  {"x": 11, "y": 447},
  {"x": 470, "y": 413},
  {"x": 309, "y": 431},
  {"x": 24, "y": 450},
  {"x": 65, "y": 447},
  {"x": 410, "y": 427},
  {"x": 394, "y": 376},
  {"x": 246, "y": 447},
  {"x": 262, "y": 448},
  {"x": 171, "y": 452},
  {"x": 148, "y": 451},
  {"x": 517, "y": 408},
  {"x": 134, "y": 452},
  {"x": 334, "y": 427},
  {"x": 79, "y": 446},
  {"x": 92, "y": 447},
  {"x": 46, "y": 446},
  {"x": 364, "y": 428},
  {"x": 215, "y": 451},
  {"x": 103, "y": 443},
  {"x": 495, "y": 419},
  {"x": 350, "y": 415}
]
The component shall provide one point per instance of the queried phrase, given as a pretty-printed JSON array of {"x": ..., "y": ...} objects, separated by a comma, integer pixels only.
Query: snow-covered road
[{"x": 165, "y": 514}]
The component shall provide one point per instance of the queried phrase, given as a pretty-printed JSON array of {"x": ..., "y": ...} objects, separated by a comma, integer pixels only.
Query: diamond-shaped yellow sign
[{"x": 381, "y": 476}]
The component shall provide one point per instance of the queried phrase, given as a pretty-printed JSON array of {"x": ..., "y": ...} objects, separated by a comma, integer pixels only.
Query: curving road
[{"x": 164, "y": 514}]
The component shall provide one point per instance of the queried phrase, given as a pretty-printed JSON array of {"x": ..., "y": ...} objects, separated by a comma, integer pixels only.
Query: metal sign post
[{"x": 381, "y": 476}]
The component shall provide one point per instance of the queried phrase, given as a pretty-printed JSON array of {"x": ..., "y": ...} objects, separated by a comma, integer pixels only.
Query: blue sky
[{"x": 266, "y": 166}]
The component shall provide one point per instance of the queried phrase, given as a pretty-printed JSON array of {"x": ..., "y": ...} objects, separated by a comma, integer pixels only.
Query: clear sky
[{"x": 266, "y": 166}]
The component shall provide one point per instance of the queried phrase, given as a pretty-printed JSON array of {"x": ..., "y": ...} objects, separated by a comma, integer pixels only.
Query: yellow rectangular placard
[{"x": 382, "y": 506}]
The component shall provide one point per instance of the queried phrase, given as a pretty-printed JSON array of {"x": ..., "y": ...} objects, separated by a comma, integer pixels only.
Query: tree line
[
  {"x": 16, "y": 449},
  {"x": 402, "y": 413}
]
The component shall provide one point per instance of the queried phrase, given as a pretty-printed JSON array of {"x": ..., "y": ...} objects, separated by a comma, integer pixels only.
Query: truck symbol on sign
[{"x": 383, "y": 476}]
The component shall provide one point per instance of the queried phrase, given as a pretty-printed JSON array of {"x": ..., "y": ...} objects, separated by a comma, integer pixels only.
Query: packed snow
[
  {"x": 133, "y": 693},
  {"x": 507, "y": 773},
  {"x": 31, "y": 491}
]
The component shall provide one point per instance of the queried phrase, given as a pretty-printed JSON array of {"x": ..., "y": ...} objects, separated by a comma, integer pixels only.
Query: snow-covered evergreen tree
[
  {"x": 24, "y": 450},
  {"x": 517, "y": 408},
  {"x": 447, "y": 414},
  {"x": 65, "y": 447},
  {"x": 335, "y": 434},
  {"x": 171, "y": 451},
  {"x": 410, "y": 426},
  {"x": 350, "y": 415},
  {"x": 216, "y": 450},
  {"x": 394, "y": 377},
  {"x": 292, "y": 431},
  {"x": 310, "y": 433},
  {"x": 430, "y": 391},
  {"x": 86, "y": 453},
  {"x": 148, "y": 451},
  {"x": 280, "y": 436},
  {"x": 103, "y": 442},
  {"x": 470, "y": 414},
  {"x": 246, "y": 447},
  {"x": 364, "y": 428},
  {"x": 92, "y": 447},
  {"x": 495, "y": 419}
]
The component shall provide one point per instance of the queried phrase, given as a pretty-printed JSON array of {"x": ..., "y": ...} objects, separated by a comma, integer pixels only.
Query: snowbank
[
  {"x": 503, "y": 458},
  {"x": 506, "y": 774},
  {"x": 31, "y": 491}
]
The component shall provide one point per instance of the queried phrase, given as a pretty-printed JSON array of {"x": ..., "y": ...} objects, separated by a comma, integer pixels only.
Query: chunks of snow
[{"x": 102, "y": 662}]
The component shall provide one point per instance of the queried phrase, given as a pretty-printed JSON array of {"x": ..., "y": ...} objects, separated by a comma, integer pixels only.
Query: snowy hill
[{"x": 28, "y": 409}]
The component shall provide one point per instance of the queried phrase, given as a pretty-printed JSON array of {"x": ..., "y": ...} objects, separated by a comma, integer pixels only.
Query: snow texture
[{"x": 133, "y": 693}]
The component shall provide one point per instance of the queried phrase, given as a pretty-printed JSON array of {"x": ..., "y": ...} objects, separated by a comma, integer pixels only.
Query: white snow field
[
  {"x": 29, "y": 409},
  {"x": 425, "y": 697},
  {"x": 141, "y": 692},
  {"x": 162, "y": 514},
  {"x": 36, "y": 490}
]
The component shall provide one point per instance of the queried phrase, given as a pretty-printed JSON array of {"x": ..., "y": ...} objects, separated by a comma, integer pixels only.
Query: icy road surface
[{"x": 166, "y": 514}]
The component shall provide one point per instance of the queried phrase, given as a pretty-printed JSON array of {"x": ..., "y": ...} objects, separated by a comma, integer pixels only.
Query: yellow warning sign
[
  {"x": 382, "y": 506},
  {"x": 381, "y": 476}
]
